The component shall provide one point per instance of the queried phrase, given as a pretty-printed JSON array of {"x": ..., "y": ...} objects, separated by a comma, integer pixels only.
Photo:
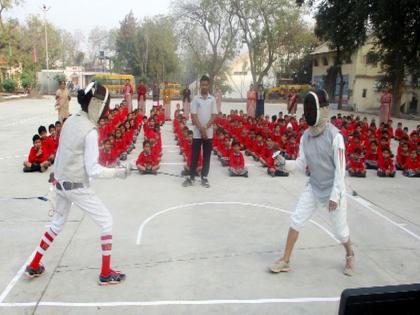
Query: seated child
[
  {"x": 258, "y": 148},
  {"x": 356, "y": 164},
  {"x": 224, "y": 151},
  {"x": 372, "y": 156},
  {"x": 47, "y": 144},
  {"x": 386, "y": 166},
  {"x": 147, "y": 163},
  {"x": 412, "y": 167},
  {"x": 402, "y": 156},
  {"x": 267, "y": 155},
  {"x": 107, "y": 156},
  {"x": 278, "y": 167},
  {"x": 38, "y": 158},
  {"x": 236, "y": 161}
]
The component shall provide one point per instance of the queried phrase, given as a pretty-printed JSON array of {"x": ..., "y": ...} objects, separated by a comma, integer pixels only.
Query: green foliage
[
  {"x": 9, "y": 85},
  {"x": 27, "y": 80},
  {"x": 60, "y": 77},
  {"x": 146, "y": 49}
]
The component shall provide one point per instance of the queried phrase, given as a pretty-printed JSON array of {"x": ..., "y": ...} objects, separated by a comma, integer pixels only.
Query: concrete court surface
[{"x": 195, "y": 250}]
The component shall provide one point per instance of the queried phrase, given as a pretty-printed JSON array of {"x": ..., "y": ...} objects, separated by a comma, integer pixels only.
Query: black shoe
[
  {"x": 246, "y": 175},
  {"x": 187, "y": 183},
  {"x": 34, "y": 272},
  {"x": 115, "y": 277},
  {"x": 205, "y": 182}
]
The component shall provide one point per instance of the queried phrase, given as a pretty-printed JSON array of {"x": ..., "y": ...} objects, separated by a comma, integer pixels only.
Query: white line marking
[
  {"x": 369, "y": 206},
  {"x": 172, "y": 163},
  {"x": 15, "y": 279},
  {"x": 143, "y": 225},
  {"x": 182, "y": 302}
]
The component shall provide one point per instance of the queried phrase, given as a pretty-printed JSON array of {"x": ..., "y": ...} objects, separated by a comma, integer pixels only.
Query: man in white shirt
[
  {"x": 203, "y": 114},
  {"x": 75, "y": 163}
]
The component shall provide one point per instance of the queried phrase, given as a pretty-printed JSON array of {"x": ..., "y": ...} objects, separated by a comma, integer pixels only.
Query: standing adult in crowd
[
  {"x": 128, "y": 95},
  {"x": 260, "y": 101},
  {"x": 167, "y": 101},
  {"x": 203, "y": 114},
  {"x": 251, "y": 100},
  {"x": 156, "y": 94},
  {"x": 141, "y": 96},
  {"x": 62, "y": 100},
  {"x": 186, "y": 102},
  {"x": 292, "y": 98},
  {"x": 385, "y": 110},
  {"x": 218, "y": 97}
]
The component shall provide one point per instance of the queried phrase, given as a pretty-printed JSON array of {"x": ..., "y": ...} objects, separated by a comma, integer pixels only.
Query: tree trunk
[
  {"x": 397, "y": 89},
  {"x": 341, "y": 88}
]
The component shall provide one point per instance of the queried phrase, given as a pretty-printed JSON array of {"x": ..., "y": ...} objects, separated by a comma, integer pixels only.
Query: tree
[
  {"x": 397, "y": 41},
  {"x": 210, "y": 30},
  {"x": 268, "y": 29},
  {"x": 7, "y": 5},
  {"x": 394, "y": 27},
  {"x": 343, "y": 25}
]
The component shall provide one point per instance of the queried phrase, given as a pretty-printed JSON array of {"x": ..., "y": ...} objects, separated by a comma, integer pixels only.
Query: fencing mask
[
  {"x": 94, "y": 100},
  {"x": 315, "y": 110}
]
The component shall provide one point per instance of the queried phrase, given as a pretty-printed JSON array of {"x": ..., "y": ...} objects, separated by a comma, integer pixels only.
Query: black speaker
[{"x": 401, "y": 299}]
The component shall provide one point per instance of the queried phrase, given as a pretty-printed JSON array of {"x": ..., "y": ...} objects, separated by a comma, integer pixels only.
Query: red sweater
[
  {"x": 34, "y": 157},
  {"x": 236, "y": 160}
]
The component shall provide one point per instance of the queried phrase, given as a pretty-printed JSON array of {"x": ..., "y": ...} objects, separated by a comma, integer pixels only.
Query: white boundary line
[
  {"x": 181, "y": 302},
  {"x": 15, "y": 279},
  {"x": 188, "y": 205},
  {"x": 369, "y": 206}
]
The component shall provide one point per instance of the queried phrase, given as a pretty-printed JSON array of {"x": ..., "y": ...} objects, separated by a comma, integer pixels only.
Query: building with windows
[{"x": 361, "y": 73}]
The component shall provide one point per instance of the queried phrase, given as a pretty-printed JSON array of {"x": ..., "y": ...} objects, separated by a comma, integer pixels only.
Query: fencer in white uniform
[
  {"x": 322, "y": 151},
  {"x": 76, "y": 162}
]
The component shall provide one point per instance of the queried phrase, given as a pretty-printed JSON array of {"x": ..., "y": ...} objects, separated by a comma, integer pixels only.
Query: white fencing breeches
[
  {"x": 308, "y": 204},
  {"x": 86, "y": 200}
]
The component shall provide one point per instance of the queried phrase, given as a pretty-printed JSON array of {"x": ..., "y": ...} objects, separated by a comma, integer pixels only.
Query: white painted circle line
[
  {"x": 246, "y": 204},
  {"x": 175, "y": 302}
]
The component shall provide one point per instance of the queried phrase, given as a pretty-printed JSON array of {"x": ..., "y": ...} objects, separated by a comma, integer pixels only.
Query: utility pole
[{"x": 45, "y": 9}]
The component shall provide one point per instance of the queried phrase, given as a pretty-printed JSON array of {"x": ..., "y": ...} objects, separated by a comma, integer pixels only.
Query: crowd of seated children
[
  {"x": 259, "y": 138},
  {"x": 371, "y": 146},
  {"x": 44, "y": 149}
]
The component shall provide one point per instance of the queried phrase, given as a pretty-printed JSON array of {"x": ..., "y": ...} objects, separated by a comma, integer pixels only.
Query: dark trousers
[
  {"x": 260, "y": 108},
  {"x": 195, "y": 155}
]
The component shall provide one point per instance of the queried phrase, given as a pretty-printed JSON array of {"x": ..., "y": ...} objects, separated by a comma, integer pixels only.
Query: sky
[{"x": 83, "y": 15}]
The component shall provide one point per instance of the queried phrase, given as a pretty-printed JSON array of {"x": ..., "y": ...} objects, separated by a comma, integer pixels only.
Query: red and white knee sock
[
  {"x": 46, "y": 241},
  {"x": 106, "y": 244}
]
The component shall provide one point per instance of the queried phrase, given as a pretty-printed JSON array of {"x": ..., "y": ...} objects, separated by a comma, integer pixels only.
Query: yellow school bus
[
  {"x": 115, "y": 82},
  {"x": 174, "y": 88}
]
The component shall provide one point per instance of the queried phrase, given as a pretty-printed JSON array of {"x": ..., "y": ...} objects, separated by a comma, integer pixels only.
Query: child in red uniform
[
  {"x": 402, "y": 156},
  {"x": 399, "y": 132},
  {"x": 107, "y": 156},
  {"x": 356, "y": 164},
  {"x": 48, "y": 145},
  {"x": 225, "y": 151},
  {"x": 147, "y": 163},
  {"x": 386, "y": 166},
  {"x": 412, "y": 167},
  {"x": 120, "y": 145},
  {"x": 258, "y": 148},
  {"x": 236, "y": 161},
  {"x": 53, "y": 138},
  {"x": 372, "y": 156},
  {"x": 37, "y": 159},
  {"x": 187, "y": 150},
  {"x": 267, "y": 155}
]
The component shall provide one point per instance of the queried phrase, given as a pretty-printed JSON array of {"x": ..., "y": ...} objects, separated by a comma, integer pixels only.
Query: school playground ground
[{"x": 195, "y": 250}]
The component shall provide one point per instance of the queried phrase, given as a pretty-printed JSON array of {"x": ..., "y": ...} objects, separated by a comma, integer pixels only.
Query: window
[
  {"x": 364, "y": 93},
  {"x": 315, "y": 62},
  {"x": 372, "y": 58},
  {"x": 325, "y": 61}
]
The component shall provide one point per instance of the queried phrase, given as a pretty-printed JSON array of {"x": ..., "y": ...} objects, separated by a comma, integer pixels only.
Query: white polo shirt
[{"x": 204, "y": 108}]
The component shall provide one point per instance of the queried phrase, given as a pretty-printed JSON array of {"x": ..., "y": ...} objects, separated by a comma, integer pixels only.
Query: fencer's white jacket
[
  {"x": 77, "y": 154},
  {"x": 325, "y": 157}
]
